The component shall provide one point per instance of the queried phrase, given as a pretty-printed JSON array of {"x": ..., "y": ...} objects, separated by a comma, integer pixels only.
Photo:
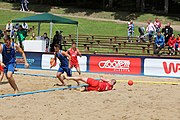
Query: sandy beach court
[{"x": 142, "y": 101}]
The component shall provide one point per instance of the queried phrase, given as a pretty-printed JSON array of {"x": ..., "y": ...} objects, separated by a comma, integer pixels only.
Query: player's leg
[
  {"x": 69, "y": 73},
  {"x": 1, "y": 76},
  {"x": 76, "y": 79},
  {"x": 78, "y": 68},
  {"x": 10, "y": 78},
  {"x": 1, "y": 73},
  {"x": 60, "y": 77}
]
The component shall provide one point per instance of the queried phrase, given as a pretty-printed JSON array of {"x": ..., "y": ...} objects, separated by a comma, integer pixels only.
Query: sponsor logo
[
  {"x": 119, "y": 65},
  {"x": 172, "y": 67},
  {"x": 116, "y": 65},
  {"x": 21, "y": 61}
]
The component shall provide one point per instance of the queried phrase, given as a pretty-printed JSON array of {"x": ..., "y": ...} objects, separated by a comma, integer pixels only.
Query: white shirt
[
  {"x": 9, "y": 26},
  {"x": 25, "y": 26},
  {"x": 150, "y": 27}
]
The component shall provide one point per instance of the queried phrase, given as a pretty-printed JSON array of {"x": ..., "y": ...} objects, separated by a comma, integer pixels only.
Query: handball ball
[
  {"x": 130, "y": 82},
  {"x": 52, "y": 62}
]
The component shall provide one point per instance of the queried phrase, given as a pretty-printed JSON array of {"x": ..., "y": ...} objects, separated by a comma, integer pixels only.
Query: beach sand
[{"x": 141, "y": 101}]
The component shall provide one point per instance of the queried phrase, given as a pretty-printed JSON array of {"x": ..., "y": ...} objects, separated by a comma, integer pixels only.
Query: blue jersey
[
  {"x": 8, "y": 54},
  {"x": 62, "y": 59}
]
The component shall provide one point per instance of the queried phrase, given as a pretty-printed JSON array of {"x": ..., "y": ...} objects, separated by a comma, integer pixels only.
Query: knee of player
[
  {"x": 58, "y": 74},
  {"x": 9, "y": 76}
]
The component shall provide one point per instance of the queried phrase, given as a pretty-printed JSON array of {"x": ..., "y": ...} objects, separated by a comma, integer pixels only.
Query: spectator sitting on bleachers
[
  {"x": 33, "y": 37},
  {"x": 177, "y": 44},
  {"x": 157, "y": 24},
  {"x": 150, "y": 30},
  {"x": 168, "y": 31},
  {"x": 158, "y": 43},
  {"x": 171, "y": 44},
  {"x": 130, "y": 30}
]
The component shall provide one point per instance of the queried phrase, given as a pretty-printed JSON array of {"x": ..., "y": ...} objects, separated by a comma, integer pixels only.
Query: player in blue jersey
[
  {"x": 8, "y": 50},
  {"x": 64, "y": 58}
]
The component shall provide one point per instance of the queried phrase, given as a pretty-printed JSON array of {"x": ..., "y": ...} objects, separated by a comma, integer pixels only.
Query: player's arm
[
  {"x": 18, "y": 49},
  {"x": 103, "y": 79},
  {"x": 54, "y": 62},
  {"x": 67, "y": 55},
  {"x": 79, "y": 53}
]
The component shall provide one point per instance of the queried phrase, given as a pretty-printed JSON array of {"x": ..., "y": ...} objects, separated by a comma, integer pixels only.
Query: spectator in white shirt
[
  {"x": 25, "y": 26},
  {"x": 150, "y": 30},
  {"x": 9, "y": 26}
]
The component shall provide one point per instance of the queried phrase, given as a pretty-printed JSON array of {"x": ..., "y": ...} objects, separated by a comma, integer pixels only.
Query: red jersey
[
  {"x": 104, "y": 86},
  {"x": 157, "y": 24},
  {"x": 96, "y": 85},
  {"x": 1, "y": 68},
  {"x": 73, "y": 54},
  {"x": 172, "y": 41},
  {"x": 178, "y": 42}
]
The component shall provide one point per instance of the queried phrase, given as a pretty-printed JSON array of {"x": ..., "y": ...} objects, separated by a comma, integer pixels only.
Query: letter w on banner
[{"x": 162, "y": 67}]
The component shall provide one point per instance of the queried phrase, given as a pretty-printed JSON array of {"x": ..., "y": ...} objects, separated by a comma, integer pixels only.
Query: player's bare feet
[
  {"x": 82, "y": 89},
  {"x": 78, "y": 83},
  {"x": 16, "y": 91}
]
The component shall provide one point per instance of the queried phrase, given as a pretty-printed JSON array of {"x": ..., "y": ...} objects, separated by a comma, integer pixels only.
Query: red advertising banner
[{"x": 118, "y": 65}]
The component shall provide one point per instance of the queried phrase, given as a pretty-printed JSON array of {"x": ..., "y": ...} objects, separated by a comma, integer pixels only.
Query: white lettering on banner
[{"x": 120, "y": 65}]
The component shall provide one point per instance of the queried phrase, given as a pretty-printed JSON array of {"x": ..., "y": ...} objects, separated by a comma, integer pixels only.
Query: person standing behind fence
[
  {"x": 21, "y": 34},
  {"x": 57, "y": 40},
  {"x": 46, "y": 38},
  {"x": 158, "y": 43},
  {"x": 168, "y": 31},
  {"x": 130, "y": 30}
]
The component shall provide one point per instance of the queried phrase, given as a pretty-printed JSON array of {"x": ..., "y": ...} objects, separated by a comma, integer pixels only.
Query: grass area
[
  {"x": 113, "y": 15},
  {"x": 85, "y": 26}
]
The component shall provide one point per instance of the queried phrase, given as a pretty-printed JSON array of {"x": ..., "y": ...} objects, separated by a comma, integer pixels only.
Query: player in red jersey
[
  {"x": 1, "y": 73},
  {"x": 94, "y": 85},
  {"x": 74, "y": 52}
]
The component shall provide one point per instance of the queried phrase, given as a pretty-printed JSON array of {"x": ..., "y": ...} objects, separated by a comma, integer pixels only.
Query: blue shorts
[
  {"x": 9, "y": 67},
  {"x": 65, "y": 69}
]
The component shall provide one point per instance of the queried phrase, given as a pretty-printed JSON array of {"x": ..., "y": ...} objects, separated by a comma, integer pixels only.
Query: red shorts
[
  {"x": 93, "y": 84},
  {"x": 74, "y": 64},
  {"x": 1, "y": 69}
]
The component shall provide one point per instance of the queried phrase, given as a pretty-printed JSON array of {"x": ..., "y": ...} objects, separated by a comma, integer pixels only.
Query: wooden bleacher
[{"x": 98, "y": 44}]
